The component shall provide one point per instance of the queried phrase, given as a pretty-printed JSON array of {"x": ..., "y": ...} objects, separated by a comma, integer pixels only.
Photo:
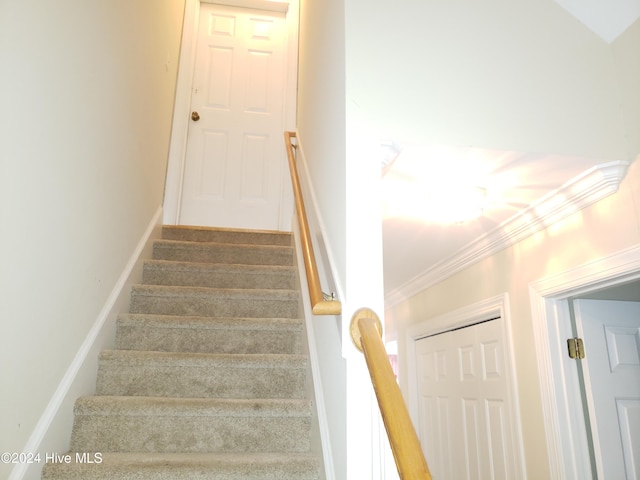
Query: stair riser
[
  {"x": 154, "y": 275},
  {"x": 214, "y": 305},
  {"x": 196, "y": 340},
  {"x": 258, "y": 466},
  {"x": 114, "y": 378},
  {"x": 231, "y": 254},
  {"x": 189, "y": 434},
  {"x": 163, "y": 472},
  {"x": 226, "y": 236}
]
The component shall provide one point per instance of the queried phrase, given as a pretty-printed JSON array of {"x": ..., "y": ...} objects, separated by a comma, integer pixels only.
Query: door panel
[
  {"x": 463, "y": 408},
  {"x": 471, "y": 421},
  {"x": 611, "y": 334},
  {"x": 234, "y": 159}
]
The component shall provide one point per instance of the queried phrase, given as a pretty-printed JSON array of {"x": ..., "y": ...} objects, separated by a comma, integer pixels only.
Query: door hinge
[{"x": 576, "y": 347}]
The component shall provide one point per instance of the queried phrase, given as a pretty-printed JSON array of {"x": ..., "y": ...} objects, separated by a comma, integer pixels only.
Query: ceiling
[
  {"x": 606, "y": 19},
  {"x": 524, "y": 193}
]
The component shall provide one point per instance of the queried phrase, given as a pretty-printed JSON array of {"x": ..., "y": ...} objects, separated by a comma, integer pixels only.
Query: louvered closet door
[{"x": 235, "y": 157}]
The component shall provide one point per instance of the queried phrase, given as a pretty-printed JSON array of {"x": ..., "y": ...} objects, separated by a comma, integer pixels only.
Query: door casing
[
  {"x": 563, "y": 410},
  {"x": 180, "y": 126}
]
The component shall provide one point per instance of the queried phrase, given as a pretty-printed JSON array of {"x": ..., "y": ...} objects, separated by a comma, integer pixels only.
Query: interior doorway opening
[
  {"x": 568, "y": 433},
  {"x": 607, "y": 323}
]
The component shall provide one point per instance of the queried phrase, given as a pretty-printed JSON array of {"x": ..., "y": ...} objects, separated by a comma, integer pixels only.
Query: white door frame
[
  {"x": 497, "y": 306},
  {"x": 180, "y": 126},
  {"x": 564, "y": 415}
]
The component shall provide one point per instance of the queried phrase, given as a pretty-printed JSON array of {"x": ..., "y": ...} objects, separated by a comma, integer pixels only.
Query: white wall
[
  {"x": 364, "y": 279},
  {"x": 602, "y": 229},
  {"x": 341, "y": 174},
  {"x": 496, "y": 74},
  {"x": 321, "y": 114},
  {"x": 627, "y": 64},
  {"x": 321, "y": 134},
  {"x": 87, "y": 94}
]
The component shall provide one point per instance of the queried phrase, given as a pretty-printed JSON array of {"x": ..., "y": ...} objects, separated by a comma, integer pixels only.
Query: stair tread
[
  {"x": 208, "y": 301},
  {"x": 198, "y": 234},
  {"x": 190, "y": 466},
  {"x": 175, "y": 290},
  {"x": 233, "y": 335},
  {"x": 216, "y": 275},
  {"x": 251, "y": 360},
  {"x": 213, "y": 323},
  {"x": 220, "y": 247},
  {"x": 242, "y": 267},
  {"x": 214, "y": 252},
  {"x": 190, "y": 243},
  {"x": 142, "y": 458},
  {"x": 102, "y": 405}
]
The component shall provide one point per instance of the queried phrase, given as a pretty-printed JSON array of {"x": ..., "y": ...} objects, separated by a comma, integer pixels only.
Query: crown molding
[{"x": 593, "y": 185}]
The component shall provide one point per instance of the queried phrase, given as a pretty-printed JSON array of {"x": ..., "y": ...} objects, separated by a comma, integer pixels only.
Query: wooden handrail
[
  {"x": 319, "y": 305},
  {"x": 366, "y": 331}
]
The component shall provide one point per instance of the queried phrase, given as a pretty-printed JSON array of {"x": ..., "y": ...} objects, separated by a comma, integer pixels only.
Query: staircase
[{"x": 207, "y": 379}]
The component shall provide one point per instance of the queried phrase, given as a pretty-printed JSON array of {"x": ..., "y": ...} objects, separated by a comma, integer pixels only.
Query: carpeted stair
[{"x": 207, "y": 378}]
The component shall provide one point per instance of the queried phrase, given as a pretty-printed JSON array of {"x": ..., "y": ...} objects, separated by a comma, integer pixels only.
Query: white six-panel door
[
  {"x": 234, "y": 160},
  {"x": 611, "y": 335},
  {"x": 464, "y": 419}
]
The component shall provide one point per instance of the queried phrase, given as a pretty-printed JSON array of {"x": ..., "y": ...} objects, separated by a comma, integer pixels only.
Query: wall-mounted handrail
[
  {"x": 319, "y": 305},
  {"x": 366, "y": 331}
]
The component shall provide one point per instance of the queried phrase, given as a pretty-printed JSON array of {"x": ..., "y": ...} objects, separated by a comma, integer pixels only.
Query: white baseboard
[{"x": 52, "y": 433}]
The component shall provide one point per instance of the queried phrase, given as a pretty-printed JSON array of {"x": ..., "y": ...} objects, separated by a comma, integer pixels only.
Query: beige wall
[
  {"x": 87, "y": 96},
  {"x": 600, "y": 230}
]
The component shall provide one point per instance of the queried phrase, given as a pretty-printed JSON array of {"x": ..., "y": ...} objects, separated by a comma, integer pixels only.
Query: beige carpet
[{"x": 207, "y": 376}]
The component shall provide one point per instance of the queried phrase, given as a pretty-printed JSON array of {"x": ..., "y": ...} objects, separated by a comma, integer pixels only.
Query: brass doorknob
[{"x": 194, "y": 116}]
